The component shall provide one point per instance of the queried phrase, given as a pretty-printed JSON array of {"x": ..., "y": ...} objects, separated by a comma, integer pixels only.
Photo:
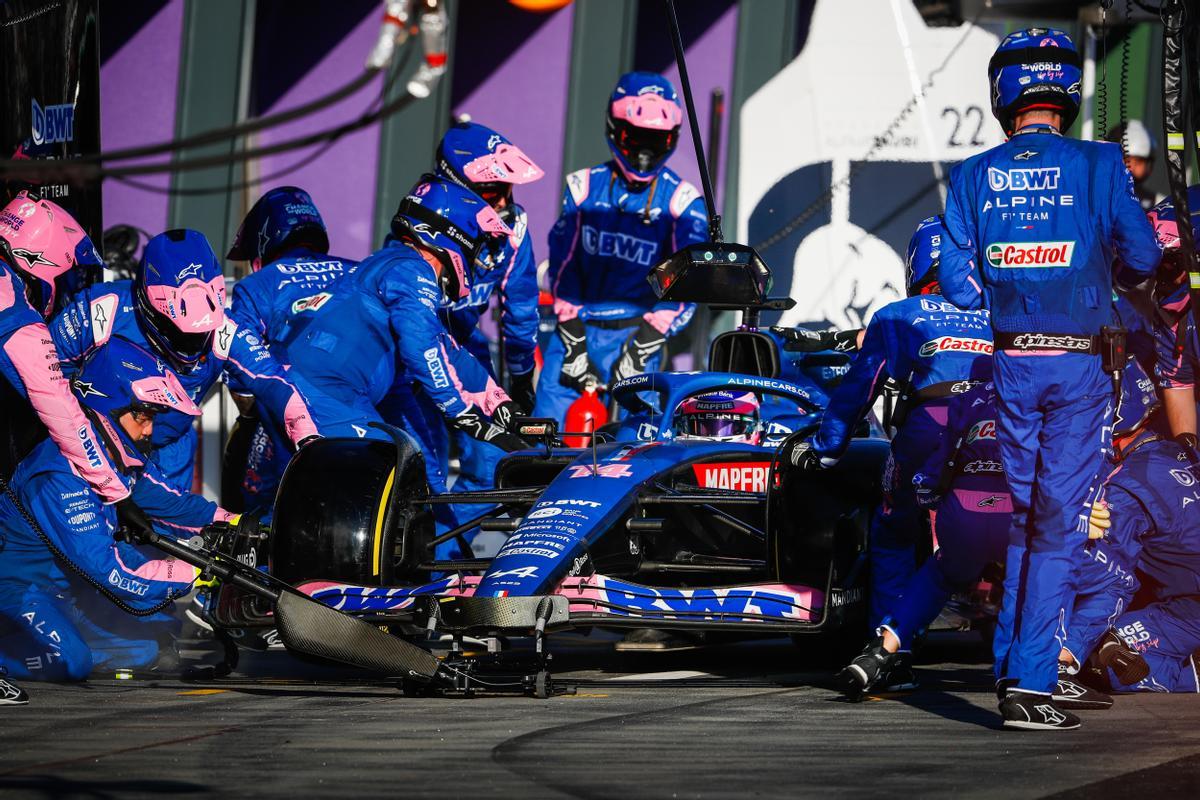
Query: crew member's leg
[{"x": 1167, "y": 634}]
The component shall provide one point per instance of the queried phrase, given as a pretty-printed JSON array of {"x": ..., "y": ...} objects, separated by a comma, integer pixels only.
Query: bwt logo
[
  {"x": 1022, "y": 180},
  {"x": 619, "y": 245},
  {"x": 89, "y": 447},
  {"x": 53, "y": 123}
]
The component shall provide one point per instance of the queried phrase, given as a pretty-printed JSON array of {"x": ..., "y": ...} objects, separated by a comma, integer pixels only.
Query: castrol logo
[
  {"x": 950, "y": 344},
  {"x": 1004, "y": 255}
]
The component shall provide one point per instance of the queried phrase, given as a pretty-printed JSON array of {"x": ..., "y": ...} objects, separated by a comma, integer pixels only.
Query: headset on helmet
[
  {"x": 1138, "y": 399},
  {"x": 179, "y": 296},
  {"x": 119, "y": 377},
  {"x": 643, "y": 122},
  {"x": 721, "y": 416},
  {"x": 924, "y": 256},
  {"x": 282, "y": 219},
  {"x": 484, "y": 161},
  {"x": 43, "y": 241},
  {"x": 1037, "y": 68},
  {"x": 453, "y": 223}
]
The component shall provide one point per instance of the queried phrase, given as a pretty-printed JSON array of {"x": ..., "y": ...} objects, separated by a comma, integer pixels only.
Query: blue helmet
[
  {"x": 484, "y": 161},
  {"x": 1138, "y": 399},
  {"x": 119, "y": 377},
  {"x": 453, "y": 223},
  {"x": 179, "y": 296},
  {"x": 1037, "y": 68},
  {"x": 643, "y": 120},
  {"x": 282, "y": 219},
  {"x": 924, "y": 256}
]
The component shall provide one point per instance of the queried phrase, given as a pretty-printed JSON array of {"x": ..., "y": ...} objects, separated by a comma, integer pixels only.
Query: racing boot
[
  {"x": 866, "y": 670},
  {"x": 10, "y": 693},
  {"x": 1125, "y": 662},
  {"x": 1073, "y": 693},
  {"x": 900, "y": 676},
  {"x": 1030, "y": 711}
]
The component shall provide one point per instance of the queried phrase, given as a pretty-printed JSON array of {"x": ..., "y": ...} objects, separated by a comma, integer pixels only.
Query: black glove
[
  {"x": 520, "y": 389},
  {"x": 806, "y": 341},
  {"x": 578, "y": 371},
  {"x": 478, "y": 427},
  {"x": 645, "y": 344},
  {"x": 1189, "y": 441},
  {"x": 804, "y": 458},
  {"x": 505, "y": 416},
  {"x": 133, "y": 525}
]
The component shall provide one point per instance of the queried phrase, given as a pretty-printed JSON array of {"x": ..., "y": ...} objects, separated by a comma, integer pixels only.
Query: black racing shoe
[
  {"x": 10, "y": 693},
  {"x": 1035, "y": 712},
  {"x": 1072, "y": 693},
  {"x": 900, "y": 676},
  {"x": 1125, "y": 662},
  {"x": 866, "y": 670}
]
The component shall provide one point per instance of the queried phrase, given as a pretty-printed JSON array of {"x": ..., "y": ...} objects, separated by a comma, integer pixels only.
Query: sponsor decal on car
[
  {"x": 600, "y": 471},
  {"x": 738, "y": 476}
]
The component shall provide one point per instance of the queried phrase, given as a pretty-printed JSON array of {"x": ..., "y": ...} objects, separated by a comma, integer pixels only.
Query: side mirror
[{"x": 724, "y": 273}]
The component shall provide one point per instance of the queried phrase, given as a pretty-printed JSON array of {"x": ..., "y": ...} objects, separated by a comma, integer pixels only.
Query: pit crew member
[
  {"x": 936, "y": 350},
  {"x": 40, "y": 241},
  {"x": 175, "y": 307},
  {"x": 54, "y": 623},
  {"x": 963, "y": 481},
  {"x": 1150, "y": 539},
  {"x": 286, "y": 244},
  {"x": 1033, "y": 225},
  {"x": 385, "y": 315},
  {"x": 618, "y": 220}
]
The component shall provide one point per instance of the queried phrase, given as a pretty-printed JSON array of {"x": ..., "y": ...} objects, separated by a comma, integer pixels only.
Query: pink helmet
[
  {"x": 44, "y": 242},
  {"x": 721, "y": 416}
]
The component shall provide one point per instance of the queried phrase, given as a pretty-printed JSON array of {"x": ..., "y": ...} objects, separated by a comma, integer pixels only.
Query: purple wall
[
  {"x": 137, "y": 106},
  {"x": 710, "y": 66},
  {"x": 526, "y": 100},
  {"x": 342, "y": 179}
]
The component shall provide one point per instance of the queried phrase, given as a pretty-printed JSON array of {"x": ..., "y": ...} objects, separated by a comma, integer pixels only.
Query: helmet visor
[
  {"x": 716, "y": 425},
  {"x": 182, "y": 347},
  {"x": 645, "y": 149}
]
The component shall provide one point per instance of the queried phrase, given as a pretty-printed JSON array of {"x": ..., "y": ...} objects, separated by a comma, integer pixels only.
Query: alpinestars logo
[
  {"x": 1050, "y": 714},
  {"x": 1005, "y": 255},
  {"x": 1042, "y": 341},
  {"x": 31, "y": 258}
]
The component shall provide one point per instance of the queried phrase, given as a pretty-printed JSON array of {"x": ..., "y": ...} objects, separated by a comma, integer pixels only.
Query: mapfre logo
[
  {"x": 738, "y": 476},
  {"x": 1024, "y": 179},
  {"x": 1004, "y": 255},
  {"x": 953, "y": 344}
]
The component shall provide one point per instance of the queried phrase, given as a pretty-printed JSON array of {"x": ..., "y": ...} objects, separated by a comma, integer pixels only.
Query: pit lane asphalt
[{"x": 731, "y": 721}]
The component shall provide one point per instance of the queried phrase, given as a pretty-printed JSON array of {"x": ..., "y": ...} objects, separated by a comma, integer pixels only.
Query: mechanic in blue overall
[
  {"x": 1033, "y": 225},
  {"x": 1175, "y": 326},
  {"x": 175, "y": 307},
  {"x": 935, "y": 351},
  {"x": 962, "y": 483},
  {"x": 618, "y": 220},
  {"x": 1147, "y": 530},
  {"x": 387, "y": 314},
  {"x": 485, "y": 162},
  {"x": 55, "y": 622},
  {"x": 286, "y": 244}
]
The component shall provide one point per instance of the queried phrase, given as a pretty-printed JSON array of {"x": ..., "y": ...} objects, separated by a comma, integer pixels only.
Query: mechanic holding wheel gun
[
  {"x": 1032, "y": 227},
  {"x": 936, "y": 351},
  {"x": 618, "y": 220},
  {"x": 59, "y": 553}
]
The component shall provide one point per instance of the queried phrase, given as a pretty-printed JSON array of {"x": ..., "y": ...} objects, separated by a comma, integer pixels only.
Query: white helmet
[{"x": 1135, "y": 137}]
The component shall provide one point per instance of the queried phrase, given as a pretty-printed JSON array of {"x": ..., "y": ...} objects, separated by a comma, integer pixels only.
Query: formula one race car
[{"x": 645, "y": 528}]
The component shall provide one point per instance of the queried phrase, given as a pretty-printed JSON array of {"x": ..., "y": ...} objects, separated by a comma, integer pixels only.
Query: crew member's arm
[
  {"x": 855, "y": 394},
  {"x": 180, "y": 511},
  {"x": 932, "y": 479},
  {"x": 250, "y": 364},
  {"x": 519, "y": 315},
  {"x": 1134, "y": 241},
  {"x": 82, "y": 530},
  {"x": 32, "y": 365},
  {"x": 958, "y": 270},
  {"x": 1175, "y": 373},
  {"x": 453, "y": 379}
]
